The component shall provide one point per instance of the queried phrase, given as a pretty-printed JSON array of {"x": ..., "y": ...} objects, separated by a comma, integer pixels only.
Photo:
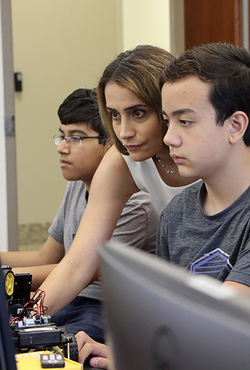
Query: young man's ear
[{"x": 238, "y": 125}]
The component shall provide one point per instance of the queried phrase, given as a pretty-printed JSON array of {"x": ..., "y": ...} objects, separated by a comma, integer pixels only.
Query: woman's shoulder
[
  {"x": 113, "y": 160},
  {"x": 114, "y": 173},
  {"x": 142, "y": 166}
]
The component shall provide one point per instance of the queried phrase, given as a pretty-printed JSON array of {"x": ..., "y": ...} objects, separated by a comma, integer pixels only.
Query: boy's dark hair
[
  {"x": 81, "y": 107},
  {"x": 226, "y": 68}
]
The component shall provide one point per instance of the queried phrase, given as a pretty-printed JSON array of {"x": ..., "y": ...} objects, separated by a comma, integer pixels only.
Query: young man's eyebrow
[
  {"x": 178, "y": 112},
  {"x": 182, "y": 111},
  {"x": 75, "y": 131}
]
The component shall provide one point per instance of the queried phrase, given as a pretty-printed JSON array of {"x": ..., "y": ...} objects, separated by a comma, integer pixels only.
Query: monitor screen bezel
[{"x": 128, "y": 273}]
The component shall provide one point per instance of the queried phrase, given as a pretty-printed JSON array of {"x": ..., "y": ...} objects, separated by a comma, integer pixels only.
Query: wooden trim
[
  {"x": 238, "y": 28},
  {"x": 209, "y": 21}
]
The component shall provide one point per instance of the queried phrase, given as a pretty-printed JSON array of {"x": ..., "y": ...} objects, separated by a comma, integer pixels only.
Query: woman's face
[{"x": 135, "y": 123}]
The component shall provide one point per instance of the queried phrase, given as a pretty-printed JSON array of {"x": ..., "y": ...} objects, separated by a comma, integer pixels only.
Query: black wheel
[{"x": 70, "y": 346}]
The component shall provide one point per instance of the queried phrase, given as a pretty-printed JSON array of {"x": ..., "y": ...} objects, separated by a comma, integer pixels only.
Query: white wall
[
  {"x": 146, "y": 22},
  {"x": 3, "y": 190},
  {"x": 59, "y": 46},
  {"x": 100, "y": 30}
]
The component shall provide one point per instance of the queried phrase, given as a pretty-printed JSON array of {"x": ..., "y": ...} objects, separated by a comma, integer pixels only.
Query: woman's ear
[{"x": 238, "y": 125}]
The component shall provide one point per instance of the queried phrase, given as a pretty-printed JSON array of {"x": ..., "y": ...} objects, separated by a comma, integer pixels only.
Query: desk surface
[
  {"x": 31, "y": 360},
  {"x": 88, "y": 367}
]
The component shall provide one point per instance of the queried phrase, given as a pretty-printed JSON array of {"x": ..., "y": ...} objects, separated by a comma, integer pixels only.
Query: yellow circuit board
[{"x": 31, "y": 361}]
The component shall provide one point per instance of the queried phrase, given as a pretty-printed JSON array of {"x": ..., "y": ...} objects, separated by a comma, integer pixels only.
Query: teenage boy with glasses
[{"x": 81, "y": 144}]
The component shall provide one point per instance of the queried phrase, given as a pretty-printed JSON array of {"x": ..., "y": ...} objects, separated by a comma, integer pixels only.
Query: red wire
[{"x": 34, "y": 305}]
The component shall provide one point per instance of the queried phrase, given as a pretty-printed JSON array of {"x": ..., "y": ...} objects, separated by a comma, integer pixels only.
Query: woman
[{"x": 130, "y": 105}]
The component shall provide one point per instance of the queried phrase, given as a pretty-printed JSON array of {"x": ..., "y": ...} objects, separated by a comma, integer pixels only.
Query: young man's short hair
[
  {"x": 226, "y": 68},
  {"x": 81, "y": 107}
]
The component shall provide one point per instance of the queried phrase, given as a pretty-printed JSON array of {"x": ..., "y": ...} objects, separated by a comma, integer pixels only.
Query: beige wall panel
[
  {"x": 146, "y": 22},
  {"x": 59, "y": 45}
]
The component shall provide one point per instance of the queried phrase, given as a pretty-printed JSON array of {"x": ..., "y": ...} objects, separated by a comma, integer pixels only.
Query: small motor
[{"x": 9, "y": 281}]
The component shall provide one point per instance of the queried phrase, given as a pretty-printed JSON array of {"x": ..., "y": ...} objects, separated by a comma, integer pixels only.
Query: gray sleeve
[
  {"x": 240, "y": 271},
  {"x": 136, "y": 227},
  {"x": 138, "y": 223},
  {"x": 56, "y": 229}
]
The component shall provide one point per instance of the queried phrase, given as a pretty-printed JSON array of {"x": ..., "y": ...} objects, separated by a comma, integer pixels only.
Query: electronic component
[
  {"x": 31, "y": 327},
  {"x": 33, "y": 336},
  {"x": 49, "y": 360},
  {"x": 22, "y": 288},
  {"x": 32, "y": 361}
]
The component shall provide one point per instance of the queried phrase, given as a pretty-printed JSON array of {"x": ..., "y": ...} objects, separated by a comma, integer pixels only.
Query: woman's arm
[{"x": 111, "y": 187}]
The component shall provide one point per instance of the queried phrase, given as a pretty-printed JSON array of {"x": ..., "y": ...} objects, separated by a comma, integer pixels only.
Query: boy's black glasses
[{"x": 74, "y": 140}]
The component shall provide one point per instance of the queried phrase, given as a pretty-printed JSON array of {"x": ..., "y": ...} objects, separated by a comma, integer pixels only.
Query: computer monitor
[
  {"x": 160, "y": 317},
  {"x": 7, "y": 351}
]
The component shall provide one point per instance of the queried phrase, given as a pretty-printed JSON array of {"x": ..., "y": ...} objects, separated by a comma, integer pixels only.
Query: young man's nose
[
  {"x": 63, "y": 147},
  {"x": 172, "y": 137}
]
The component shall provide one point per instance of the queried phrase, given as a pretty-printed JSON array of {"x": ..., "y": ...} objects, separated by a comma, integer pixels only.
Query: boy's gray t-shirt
[
  {"x": 218, "y": 245},
  {"x": 136, "y": 227}
]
